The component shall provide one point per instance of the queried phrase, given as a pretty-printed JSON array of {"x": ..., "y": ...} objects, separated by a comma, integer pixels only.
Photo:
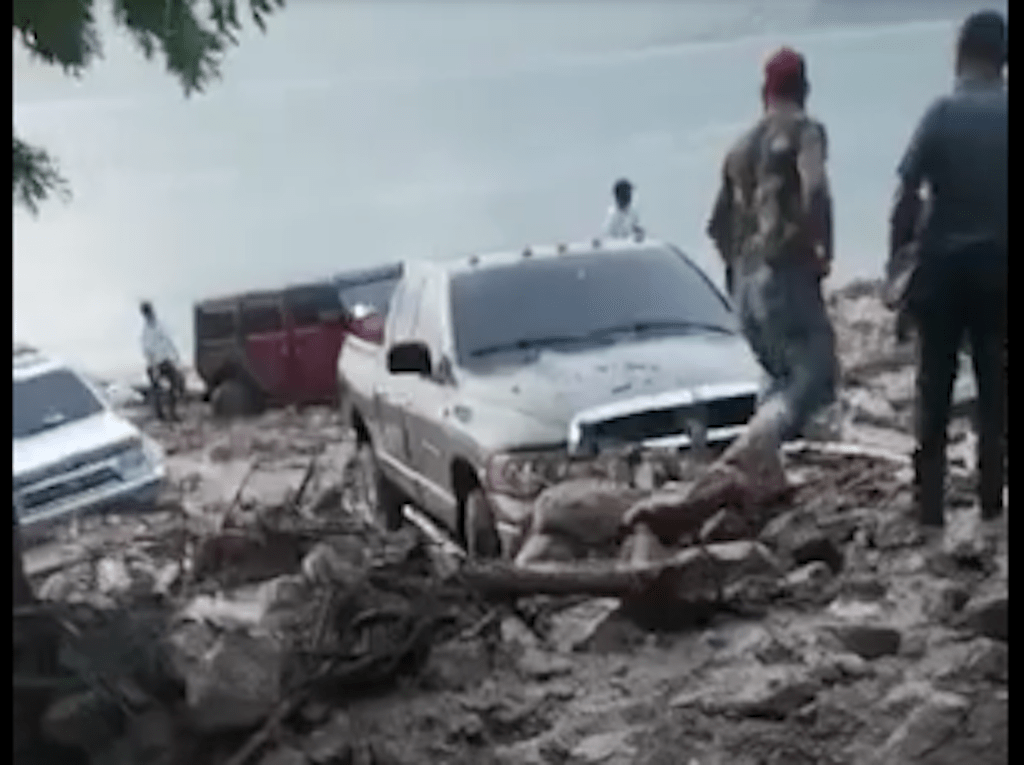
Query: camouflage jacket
[{"x": 773, "y": 205}]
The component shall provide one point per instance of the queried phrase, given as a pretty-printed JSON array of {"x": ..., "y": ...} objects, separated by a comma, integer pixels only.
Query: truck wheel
[
  {"x": 233, "y": 398},
  {"x": 479, "y": 527},
  {"x": 370, "y": 494}
]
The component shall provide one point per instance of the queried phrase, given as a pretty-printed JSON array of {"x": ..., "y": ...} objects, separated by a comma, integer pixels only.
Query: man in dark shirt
[{"x": 959, "y": 286}]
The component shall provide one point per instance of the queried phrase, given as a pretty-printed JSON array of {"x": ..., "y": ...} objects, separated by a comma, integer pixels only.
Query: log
[{"x": 688, "y": 575}]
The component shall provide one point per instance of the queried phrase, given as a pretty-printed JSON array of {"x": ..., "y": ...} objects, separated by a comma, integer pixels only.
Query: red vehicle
[{"x": 278, "y": 347}]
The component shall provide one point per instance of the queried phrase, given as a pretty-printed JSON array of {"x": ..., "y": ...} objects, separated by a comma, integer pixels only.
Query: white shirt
[
  {"x": 156, "y": 345},
  {"x": 622, "y": 224}
]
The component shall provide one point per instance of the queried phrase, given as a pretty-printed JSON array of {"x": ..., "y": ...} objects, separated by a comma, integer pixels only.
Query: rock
[
  {"x": 808, "y": 582},
  {"x": 85, "y": 720},
  {"x": 724, "y": 526},
  {"x": 517, "y": 635},
  {"x": 988, "y": 616},
  {"x": 540, "y": 665},
  {"x": 871, "y": 408},
  {"x": 152, "y": 737},
  {"x": 284, "y": 755},
  {"x": 988, "y": 660},
  {"x": 854, "y": 610},
  {"x": 341, "y": 563},
  {"x": 583, "y": 515},
  {"x": 867, "y": 588},
  {"x": 772, "y": 692},
  {"x": 242, "y": 609},
  {"x": 331, "y": 743},
  {"x": 868, "y": 641},
  {"x": 605, "y": 748},
  {"x": 738, "y": 560},
  {"x": 236, "y": 684},
  {"x": 928, "y": 727},
  {"x": 894, "y": 531},
  {"x": 768, "y": 649},
  {"x": 581, "y": 627},
  {"x": 795, "y": 536},
  {"x": 457, "y": 665},
  {"x": 965, "y": 543},
  {"x": 948, "y": 600},
  {"x": 840, "y": 667},
  {"x": 112, "y": 577}
]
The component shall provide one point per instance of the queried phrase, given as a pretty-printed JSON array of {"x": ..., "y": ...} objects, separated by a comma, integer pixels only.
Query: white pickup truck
[{"x": 495, "y": 371}]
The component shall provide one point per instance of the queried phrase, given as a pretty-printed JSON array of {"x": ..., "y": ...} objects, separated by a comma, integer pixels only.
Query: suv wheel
[
  {"x": 233, "y": 398},
  {"x": 479, "y": 527},
  {"x": 369, "y": 494}
]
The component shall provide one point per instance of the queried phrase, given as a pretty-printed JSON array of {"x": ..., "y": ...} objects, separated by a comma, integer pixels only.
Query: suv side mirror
[{"x": 409, "y": 358}]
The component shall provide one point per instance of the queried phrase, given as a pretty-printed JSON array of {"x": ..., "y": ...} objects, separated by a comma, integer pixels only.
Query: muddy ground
[{"x": 872, "y": 644}]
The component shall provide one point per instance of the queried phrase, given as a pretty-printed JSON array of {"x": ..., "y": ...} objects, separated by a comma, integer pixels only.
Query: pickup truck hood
[
  {"x": 556, "y": 385},
  {"x": 53, "y": 446}
]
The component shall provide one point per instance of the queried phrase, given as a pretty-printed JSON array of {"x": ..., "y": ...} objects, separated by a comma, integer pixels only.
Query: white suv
[{"x": 72, "y": 453}]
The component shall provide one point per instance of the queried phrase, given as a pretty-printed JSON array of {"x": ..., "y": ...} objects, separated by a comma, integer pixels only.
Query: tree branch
[
  {"x": 63, "y": 33},
  {"x": 36, "y": 177}
]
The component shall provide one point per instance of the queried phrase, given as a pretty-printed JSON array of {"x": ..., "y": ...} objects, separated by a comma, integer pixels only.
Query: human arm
[
  {"x": 816, "y": 197},
  {"x": 915, "y": 169}
]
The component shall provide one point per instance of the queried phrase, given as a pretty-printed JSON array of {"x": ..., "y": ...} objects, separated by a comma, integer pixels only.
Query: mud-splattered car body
[{"x": 497, "y": 371}]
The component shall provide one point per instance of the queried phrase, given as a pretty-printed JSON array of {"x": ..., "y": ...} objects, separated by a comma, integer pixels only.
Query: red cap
[{"x": 784, "y": 68}]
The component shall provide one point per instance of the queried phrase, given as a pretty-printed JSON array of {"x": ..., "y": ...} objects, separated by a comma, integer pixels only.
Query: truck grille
[
  {"x": 38, "y": 499},
  {"x": 669, "y": 421}
]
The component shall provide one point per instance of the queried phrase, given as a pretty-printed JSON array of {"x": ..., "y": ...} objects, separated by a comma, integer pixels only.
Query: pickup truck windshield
[
  {"x": 50, "y": 400},
  {"x": 574, "y": 301}
]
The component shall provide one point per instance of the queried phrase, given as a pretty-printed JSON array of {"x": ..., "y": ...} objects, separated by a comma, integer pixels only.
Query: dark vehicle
[{"x": 279, "y": 347}]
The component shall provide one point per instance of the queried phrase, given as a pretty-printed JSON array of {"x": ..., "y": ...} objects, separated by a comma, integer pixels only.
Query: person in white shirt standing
[
  {"x": 622, "y": 221},
  {"x": 161, "y": 363}
]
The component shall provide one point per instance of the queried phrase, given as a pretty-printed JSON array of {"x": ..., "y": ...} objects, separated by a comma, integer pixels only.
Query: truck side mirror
[{"x": 409, "y": 358}]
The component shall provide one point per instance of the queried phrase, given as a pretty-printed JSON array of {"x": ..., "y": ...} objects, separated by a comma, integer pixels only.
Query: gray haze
[{"x": 359, "y": 132}]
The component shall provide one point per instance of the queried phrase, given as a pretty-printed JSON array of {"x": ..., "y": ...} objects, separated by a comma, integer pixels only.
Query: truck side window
[
  {"x": 215, "y": 324},
  {"x": 404, "y": 308},
  {"x": 261, "y": 318},
  {"x": 428, "y": 326}
]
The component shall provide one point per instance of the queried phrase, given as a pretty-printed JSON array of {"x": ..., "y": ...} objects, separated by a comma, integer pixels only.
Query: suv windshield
[
  {"x": 575, "y": 301},
  {"x": 50, "y": 400}
]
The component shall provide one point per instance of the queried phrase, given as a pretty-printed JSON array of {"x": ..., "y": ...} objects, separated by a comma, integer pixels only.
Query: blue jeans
[{"x": 783, "y": 315}]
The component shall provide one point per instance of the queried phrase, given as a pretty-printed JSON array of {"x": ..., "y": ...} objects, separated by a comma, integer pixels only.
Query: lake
[{"x": 359, "y": 132}]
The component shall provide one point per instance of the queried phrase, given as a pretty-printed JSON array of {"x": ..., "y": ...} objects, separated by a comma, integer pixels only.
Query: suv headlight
[{"x": 524, "y": 475}]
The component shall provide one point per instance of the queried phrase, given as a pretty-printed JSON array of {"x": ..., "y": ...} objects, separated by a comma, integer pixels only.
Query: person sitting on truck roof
[
  {"x": 161, "y": 363},
  {"x": 622, "y": 221}
]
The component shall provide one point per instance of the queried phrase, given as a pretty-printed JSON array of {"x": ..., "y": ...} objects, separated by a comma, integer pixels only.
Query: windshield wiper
[
  {"x": 531, "y": 343},
  {"x": 638, "y": 327}
]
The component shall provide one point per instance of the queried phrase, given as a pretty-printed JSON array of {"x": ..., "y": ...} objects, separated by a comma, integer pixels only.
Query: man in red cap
[{"x": 772, "y": 225}]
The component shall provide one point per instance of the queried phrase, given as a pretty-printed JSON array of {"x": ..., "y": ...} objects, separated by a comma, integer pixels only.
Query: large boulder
[{"x": 575, "y": 518}]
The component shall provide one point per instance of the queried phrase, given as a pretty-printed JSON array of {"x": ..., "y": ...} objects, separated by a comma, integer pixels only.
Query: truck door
[
  {"x": 393, "y": 393},
  {"x": 427, "y": 414},
  {"x": 266, "y": 344},
  {"x": 317, "y": 329}
]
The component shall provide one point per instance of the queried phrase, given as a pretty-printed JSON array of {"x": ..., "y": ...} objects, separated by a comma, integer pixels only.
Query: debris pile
[{"x": 800, "y": 618}]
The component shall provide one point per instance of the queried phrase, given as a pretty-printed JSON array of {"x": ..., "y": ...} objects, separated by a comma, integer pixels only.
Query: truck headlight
[
  {"x": 132, "y": 460},
  {"x": 524, "y": 475}
]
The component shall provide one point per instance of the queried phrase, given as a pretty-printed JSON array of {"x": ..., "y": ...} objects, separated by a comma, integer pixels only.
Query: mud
[{"x": 878, "y": 645}]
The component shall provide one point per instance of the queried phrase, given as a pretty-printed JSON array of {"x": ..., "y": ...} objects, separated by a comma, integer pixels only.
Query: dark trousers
[
  {"x": 962, "y": 294},
  {"x": 165, "y": 397}
]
